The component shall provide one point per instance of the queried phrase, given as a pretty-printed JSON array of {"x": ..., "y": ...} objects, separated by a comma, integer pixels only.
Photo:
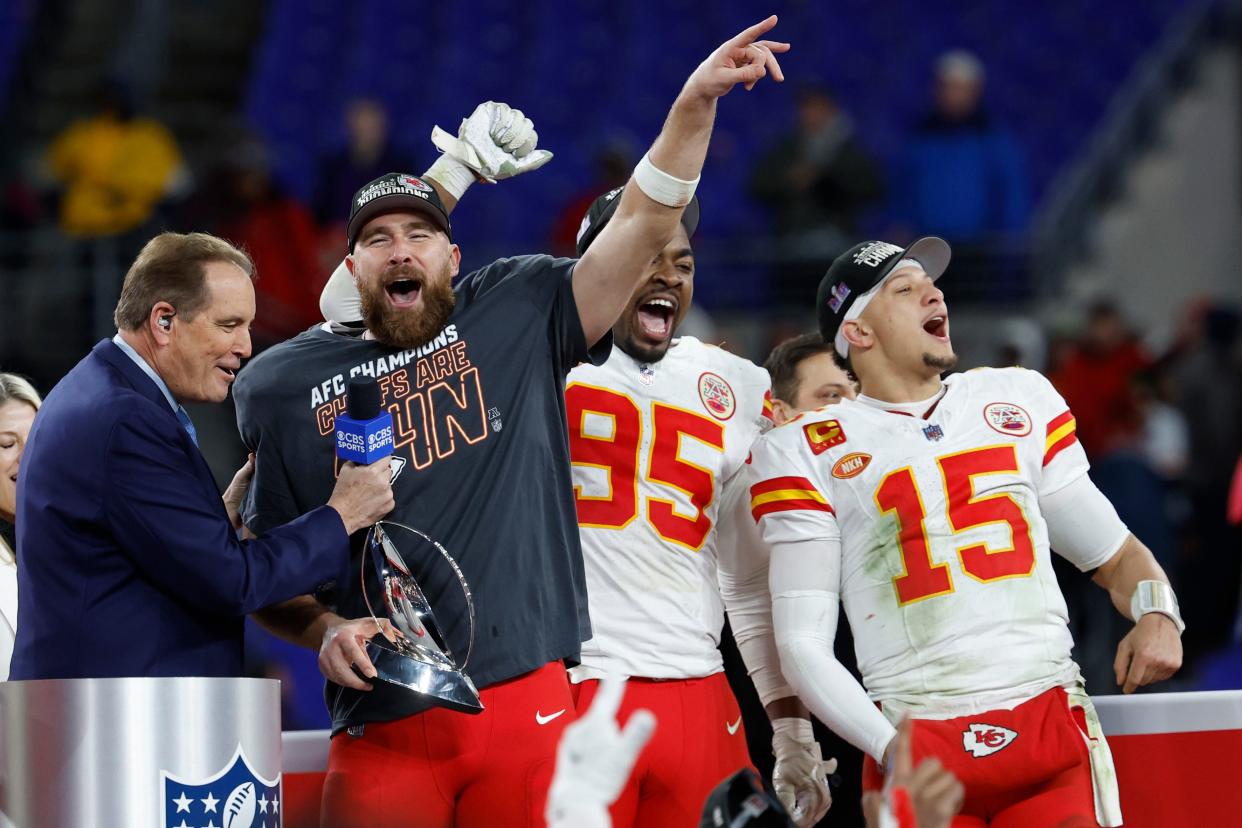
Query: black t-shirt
[{"x": 479, "y": 417}]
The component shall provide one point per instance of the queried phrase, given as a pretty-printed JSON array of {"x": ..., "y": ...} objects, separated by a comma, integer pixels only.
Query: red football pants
[
  {"x": 1022, "y": 768},
  {"x": 698, "y": 741},
  {"x": 440, "y": 768}
]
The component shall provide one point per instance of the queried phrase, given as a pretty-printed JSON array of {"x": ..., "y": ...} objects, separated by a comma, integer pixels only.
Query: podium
[{"x": 140, "y": 752}]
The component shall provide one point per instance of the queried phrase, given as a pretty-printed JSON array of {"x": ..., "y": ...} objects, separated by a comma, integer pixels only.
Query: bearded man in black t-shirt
[{"x": 474, "y": 377}]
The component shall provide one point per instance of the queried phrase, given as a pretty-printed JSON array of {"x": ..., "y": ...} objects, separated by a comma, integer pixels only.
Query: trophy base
[{"x": 444, "y": 687}]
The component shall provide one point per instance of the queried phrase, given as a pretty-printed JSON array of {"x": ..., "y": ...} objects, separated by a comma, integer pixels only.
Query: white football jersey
[
  {"x": 945, "y": 573},
  {"x": 652, "y": 445}
]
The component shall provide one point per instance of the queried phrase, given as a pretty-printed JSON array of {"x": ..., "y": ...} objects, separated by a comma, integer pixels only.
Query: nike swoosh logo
[
  {"x": 733, "y": 726},
  {"x": 543, "y": 720}
]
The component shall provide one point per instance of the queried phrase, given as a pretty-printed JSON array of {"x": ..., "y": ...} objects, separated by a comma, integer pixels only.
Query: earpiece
[{"x": 166, "y": 322}]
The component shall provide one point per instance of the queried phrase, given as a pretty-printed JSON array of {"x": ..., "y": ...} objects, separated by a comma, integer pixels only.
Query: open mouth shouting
[
  {"x": 937, "y": 326},
  {"x": 404, "y": 291},
  {"x": 656, "y": 315}
]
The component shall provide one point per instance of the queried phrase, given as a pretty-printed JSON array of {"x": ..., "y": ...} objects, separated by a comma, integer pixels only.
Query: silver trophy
[{"x": 418, "y": 657}]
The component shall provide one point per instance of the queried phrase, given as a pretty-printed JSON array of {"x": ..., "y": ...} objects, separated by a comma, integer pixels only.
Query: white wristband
[
  {"x": 1156, "y": 596},
  {"x": 662, "y": 187},
  {"x": 454, "y": 176},
  {"x": 794, "y": 727}
]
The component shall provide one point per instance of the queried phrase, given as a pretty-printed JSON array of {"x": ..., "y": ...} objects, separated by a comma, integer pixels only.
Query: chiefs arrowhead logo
[
  {"x": 823, "y": 436},
  {"x": 981, "y": 740}
]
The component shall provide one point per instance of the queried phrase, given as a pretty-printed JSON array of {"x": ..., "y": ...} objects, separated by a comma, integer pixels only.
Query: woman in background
[{"x": 18, "y": 404}]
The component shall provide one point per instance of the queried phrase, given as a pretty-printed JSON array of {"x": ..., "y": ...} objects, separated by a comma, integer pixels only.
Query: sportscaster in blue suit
[{"x": 129, "y": 562}]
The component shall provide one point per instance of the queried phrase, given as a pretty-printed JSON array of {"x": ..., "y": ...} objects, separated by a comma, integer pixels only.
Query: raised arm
[
  {"x": 495, "y": 142},
  {"x": 664, "y": 180}
]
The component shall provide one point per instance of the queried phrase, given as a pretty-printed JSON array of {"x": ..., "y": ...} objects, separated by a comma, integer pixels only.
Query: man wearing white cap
[{"x": 929, "y": 508}]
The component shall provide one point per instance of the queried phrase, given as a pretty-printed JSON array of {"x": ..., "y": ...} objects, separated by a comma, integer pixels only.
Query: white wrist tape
[
  {"x": 451, "y": 174},
  {"x": 1156, "y": 596},
  {"x": 795, "y": 728},
  {"x": 662, "y": 187}
]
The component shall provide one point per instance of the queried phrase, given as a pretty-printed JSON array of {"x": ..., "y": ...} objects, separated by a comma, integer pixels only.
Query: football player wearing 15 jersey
[
  {"x": 929, "y": 509},
  {"x": 654, "y": 434}
]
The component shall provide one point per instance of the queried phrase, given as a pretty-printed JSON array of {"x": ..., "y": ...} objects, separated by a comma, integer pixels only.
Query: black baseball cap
[
  {"x": 390, "y": 193},
  {"x": 602, "y": 208},
  {"x": 741, "y": 802},
  {"x": 864, "y": 267}
]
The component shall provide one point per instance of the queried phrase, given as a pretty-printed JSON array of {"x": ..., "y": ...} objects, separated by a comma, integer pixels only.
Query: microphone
[{"x": 364, "y": 433}]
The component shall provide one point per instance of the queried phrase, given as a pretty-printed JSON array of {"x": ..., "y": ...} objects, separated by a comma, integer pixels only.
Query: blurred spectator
[
  {"x": 1164, "y": 439},
  {"x": 613, "y": 165},
  {"x": 961, "y": 174},
  {"x": 240, "y": 201},
  {"x": 1095, "y": 380},
  {"x": 1095, "y": 373},
  {"x": 1021, "y": 342},
  {"x": 115, "y": 168},
  {"x": 1209, "y": 369},
  {"x": 815, "y": 181},
  {"x": 18, "y": 404},
  {"x": 367, "y": 155},
  {"x": 19, "y": 213}
]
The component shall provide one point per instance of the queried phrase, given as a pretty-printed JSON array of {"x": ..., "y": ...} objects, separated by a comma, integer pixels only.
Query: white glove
[
  {"x": 801, "y": 775},
  {"x": 595, "y": 758},
  {"x": 495, "y": 142}
]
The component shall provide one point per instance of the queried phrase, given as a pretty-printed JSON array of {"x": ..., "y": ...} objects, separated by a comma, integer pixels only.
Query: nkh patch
[
  {"x": 233, "y": 797},
  {"x": 981, "y": 740},
  {"x": 851, "y": 465},
  {"x": 823, "y": 436}
]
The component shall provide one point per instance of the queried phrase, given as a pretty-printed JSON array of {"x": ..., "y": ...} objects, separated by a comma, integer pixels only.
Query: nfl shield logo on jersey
[
  {"x": 235, "y": 797},
  {"x": 933, "y": 433},
  {"x": 981, "y": 740}
]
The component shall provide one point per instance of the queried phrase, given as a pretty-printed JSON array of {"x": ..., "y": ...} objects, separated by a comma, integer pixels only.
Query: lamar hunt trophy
[{"x": 418, "y": 657}]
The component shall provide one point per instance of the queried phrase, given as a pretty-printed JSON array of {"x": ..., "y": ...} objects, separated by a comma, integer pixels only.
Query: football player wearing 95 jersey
[
  {"x": 929, "y": 509},
  {"x": 655, "y": 433}
]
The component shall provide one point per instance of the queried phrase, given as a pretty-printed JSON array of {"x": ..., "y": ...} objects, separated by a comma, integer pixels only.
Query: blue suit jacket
[{"x": 127, "y": 564}]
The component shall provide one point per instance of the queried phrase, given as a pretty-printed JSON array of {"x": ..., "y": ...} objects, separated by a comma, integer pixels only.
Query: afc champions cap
[
  {"x": 602, "y": 208},
  {"x": 391, "y": 193},
  {"x": 856, "y": 275}
]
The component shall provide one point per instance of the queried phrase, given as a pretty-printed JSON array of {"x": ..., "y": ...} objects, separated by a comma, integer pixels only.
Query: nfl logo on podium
[{"x": 235, "y": 797}]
